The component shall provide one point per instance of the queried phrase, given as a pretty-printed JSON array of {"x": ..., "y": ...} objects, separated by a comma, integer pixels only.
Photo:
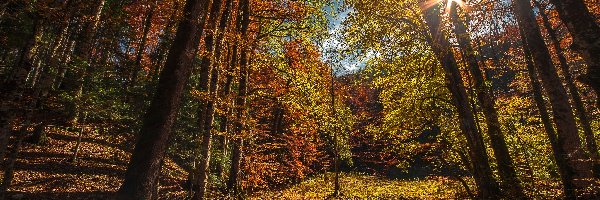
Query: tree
[
  {"x": 14, "y": 87},
  {"x": 487, "y": 102},
  {"x": 545, "y": 117},
  {"x": 240, "y": 102},
  {"x": 211, "y": 62},
  {"x": 590, "y": 139},
  {"x": 336, "y": 190},
  {"x": 82, "y": 53},
  {"x": 146, "y": 161},
  {"x": 142, "y": 46},
  {"x": 486, "y": 184},
  {"x": 586, "y": 36},
  {"x": 578, "y": 175}
]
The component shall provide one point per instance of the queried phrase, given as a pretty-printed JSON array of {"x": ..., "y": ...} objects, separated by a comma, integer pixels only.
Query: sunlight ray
[
  {"x": 459, "y": 3},
  {"x": 428, "y": 4}
]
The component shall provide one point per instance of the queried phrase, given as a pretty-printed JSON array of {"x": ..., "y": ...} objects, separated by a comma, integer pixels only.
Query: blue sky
[{"x": 334, "y": 42}]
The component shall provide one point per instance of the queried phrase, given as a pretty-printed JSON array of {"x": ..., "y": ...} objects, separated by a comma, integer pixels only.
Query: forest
[{"x": 299, "y": 99}]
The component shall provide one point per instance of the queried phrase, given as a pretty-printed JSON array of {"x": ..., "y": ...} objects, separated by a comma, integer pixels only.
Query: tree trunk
[
  {"x": 39, "y": 134},
  {"x": 62, "y": 71},
  {"x": 590, "y": 140},
  {"x": 38, "y": 69},
  {"x": 145, "y": 163},
  {"x": 236, "y": 157},
  {"x": 142, "y": 45},
  {"x": 13, "y": 88},
  {"x": 52, "y": 59},
  {"x": 586, "y": 36},
  {"x": 79, "y": 138},
  {"x": 487, "y": 102},
  {"x": 213, "y": 62},
  {"x": 223, "y": 140},
  {"x": 336, "y": 158},
  {"x": 205, "y": 110},
  {"x": 159, "y": 54},
  {"x": 10, "y": 164},
  {"x": 486, "y": 184},
  {"x": 203, "y": 170},
  {"x": 579, "y": 172},
  {"x": 236, "y": 164},
  {"x": 544, "y": 115},
  {"x": 82, "y": 53}
]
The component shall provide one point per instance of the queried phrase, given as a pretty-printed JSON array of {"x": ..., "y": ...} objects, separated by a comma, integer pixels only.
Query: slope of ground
[{"x": 47, "y": 172}]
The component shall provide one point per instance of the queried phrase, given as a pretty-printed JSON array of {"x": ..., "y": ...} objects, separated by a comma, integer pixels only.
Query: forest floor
[
  {"x": 363, "y": 186},
  {"x": 47, "y": 171}
]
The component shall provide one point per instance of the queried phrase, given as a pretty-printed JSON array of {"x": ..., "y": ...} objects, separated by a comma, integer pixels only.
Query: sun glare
[{"x": 428, "y": 4}]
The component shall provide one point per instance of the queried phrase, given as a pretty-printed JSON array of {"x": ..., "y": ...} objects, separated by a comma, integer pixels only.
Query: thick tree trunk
[
  {"x": 487, "y": 102},
  {"x": 203, "y": 170},
  {"x": 159, "y": 54},
  {"x": 146, "y": 160},
  {"x": 586, "y": 36},
  {"x": 590, "y": 140},
  {"x": 579, "y": 172},
  {"x": 236, "y": 164},
  {"x": 39, "y": 134},
  {"x": 13, "y": 88},
  {"x": 486, "y": 184},
  {"x": 544, "y": 115},
  {"x": 223, "y": 62},
  {"x": 47, "y": 79},
  {"x": 38, "y": 69}
]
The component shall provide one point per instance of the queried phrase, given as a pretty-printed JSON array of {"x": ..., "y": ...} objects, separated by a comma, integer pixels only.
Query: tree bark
[
  {"x": 78, "y": 144},
  {"x": 159, "y": 54},
  {"x": 487, "y": 102},
  {"x": 336, "y": 158},
  {"x": 590, "y": 140},
  {"x": 586, "y": 37},
  {"x": 10, "y": 164},
  {"x": 579, "y": 171},
  {"x": 146, "y": 160},
  {"x": 236, "y": 157},
  {"x": 205, "y": 110},
  {"x": 62, "y": 71},
  {"x": 224, "y": 129},
  {"x": 13, "y": 88},
  {"x": 209, "y": 109},
  {"x": 142, "y": 45},
  {"x": 47, "y": 79},
  {"x": 232, "y": 66},
  {"x": 544, "y": 115},
  {"x": 82, "y": 53},
  {"x": 486, "y": 184}
]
